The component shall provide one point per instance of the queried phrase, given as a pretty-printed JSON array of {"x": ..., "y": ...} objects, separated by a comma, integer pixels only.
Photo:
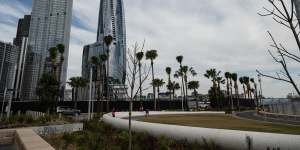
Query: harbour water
[{"x": 282, "y": 106}]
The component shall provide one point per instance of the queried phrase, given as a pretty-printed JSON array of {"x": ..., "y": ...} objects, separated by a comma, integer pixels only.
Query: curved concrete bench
[{"x": 229, "y": 139}]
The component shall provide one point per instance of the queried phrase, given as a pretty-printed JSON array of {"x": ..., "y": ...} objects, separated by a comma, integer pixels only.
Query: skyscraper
[
  {"x": 22, "y": 30},
  {"x": 50, "y": 25},
  {"x": 21, "y": 41},
  {"x": 8, "y": 64},
  {"x": 111, "y": 21}
]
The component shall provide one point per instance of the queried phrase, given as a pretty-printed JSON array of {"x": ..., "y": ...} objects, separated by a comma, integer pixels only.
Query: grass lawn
[{"x": 221, "y": 121}]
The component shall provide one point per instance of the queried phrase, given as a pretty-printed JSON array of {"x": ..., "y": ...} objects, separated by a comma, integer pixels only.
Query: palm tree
[
  {"x": 158, "y": 83},
  {"x": 175, "y": 88},
  {"x": 180, "y": 74},
  {"x": 152, "y": 55},
  {"x": 213, "y": 74},
  {"x": 227, "y": 76},
  {"x": 230, "y": 88},
  {"x": 234, "y": 77},
  {"x": 61, "y": 50},
  {"x": 220, "y": 81},
  {"x": 168, "y": 71},
  {"x": 139, "y": 57},
  {"x": 248, "y": 87},
  {"x": 107, "y": 40},
  {"x": 186, "y": 70},
  {"x": 194, "y": 85},
  {"x": 255, "y": 91},
  {"x": 53, "y": 56},
  {"x": 76, "y": 83},
  {"x": 242, "y": 81}
]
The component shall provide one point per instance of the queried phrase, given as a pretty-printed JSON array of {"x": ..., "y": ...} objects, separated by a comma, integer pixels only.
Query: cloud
[{"x": 227, "y": 35}]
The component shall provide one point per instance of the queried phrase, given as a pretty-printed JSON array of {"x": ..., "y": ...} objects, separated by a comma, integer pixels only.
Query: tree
[
  {"x": 173, "y": 86},
  {"x": 234, "y": 77},
  {"x": 227, "y": 77},
  {"x": 230, "y": 88},
  {"x": 139, "y": 57},
  {"x": 286, "y": 17},
  {"x": 152, "y": 55},
  {"x": 168, "y": 71},
  {"x": 99, "y": 63},
  {"x": 213, "y": 75},
  {"x": 255, "y": 91},
  {"x": 131, "y": 75},
  {"x": 194, "y": 85},
  {"x": 185, "y": 70},
  {"x": 76, "y": 83},
  {"x": 157, "y": 83},
  {"x": 61, "y": 50},
  {"x": 242, "y": 81},
  {"x": 47, "y": 89},
  {"x": 53, "y": 57},
  {"x": 220, "y": 81},
  {"x": 180, "y": 74},
  {"x": 248, "y": 87}
]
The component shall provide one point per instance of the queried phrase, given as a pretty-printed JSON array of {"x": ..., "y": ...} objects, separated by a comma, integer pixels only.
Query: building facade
[
  {"x": 49, "y": 25},
  {"x": 111, "y": 21},
  {"x": 21, "y": 41},
  {"x": 8, "y": 65}
]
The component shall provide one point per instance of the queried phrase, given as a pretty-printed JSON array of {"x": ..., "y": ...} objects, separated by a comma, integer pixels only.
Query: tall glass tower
[
  {"x": 49, "y": 25},
  {"x": 112, "y": 22}
]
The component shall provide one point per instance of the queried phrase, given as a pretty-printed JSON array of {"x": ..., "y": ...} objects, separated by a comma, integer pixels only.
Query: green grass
[{"x": 220, "y": 121}]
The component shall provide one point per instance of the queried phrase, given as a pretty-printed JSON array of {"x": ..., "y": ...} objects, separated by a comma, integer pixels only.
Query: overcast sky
[{"x": 225, "y": 34}]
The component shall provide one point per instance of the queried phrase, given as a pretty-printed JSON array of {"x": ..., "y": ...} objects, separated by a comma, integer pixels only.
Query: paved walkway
[{"x": 253, "y": 116}]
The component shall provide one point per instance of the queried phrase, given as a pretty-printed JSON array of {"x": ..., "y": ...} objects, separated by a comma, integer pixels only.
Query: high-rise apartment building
[
  {"x": 21, "y": 41},
  {"x": 22, "y": 30},
  {"x": 49, "y": 25},
  {"x": 8, "y": 65},
  {"x": 111, "y": 21}
]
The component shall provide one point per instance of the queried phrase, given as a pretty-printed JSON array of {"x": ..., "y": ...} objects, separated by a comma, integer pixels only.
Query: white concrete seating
[{"x": 229, "y": 139}]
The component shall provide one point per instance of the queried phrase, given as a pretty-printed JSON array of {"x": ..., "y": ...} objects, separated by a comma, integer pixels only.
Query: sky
[{"x": 225, "y": 34}]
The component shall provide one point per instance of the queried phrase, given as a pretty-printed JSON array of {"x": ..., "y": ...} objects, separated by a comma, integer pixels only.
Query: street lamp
[{"x": 260, "y": 90}]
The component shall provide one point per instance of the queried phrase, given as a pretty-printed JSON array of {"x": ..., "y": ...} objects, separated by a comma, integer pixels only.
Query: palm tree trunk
[
  {"x": 183, "y": 91},
  {"x": 186, "y": 93},
  {"x": 153, "y": 86},
  {"x": 197, "y": 106},
  {"x": 216, "y": 94},
  {"x": 76, "y": 95},
  {"x": 231, "y": 99},
  {"x": 245, "y": 94},
  {"x": 170, "y": 90},
  {"x": 227, "y": 88},
  {"x": 158, "y": 106},
  {"x": 141, "y": 90}
]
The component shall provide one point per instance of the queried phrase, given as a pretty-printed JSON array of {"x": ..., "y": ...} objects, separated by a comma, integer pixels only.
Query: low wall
[
  {"x": 56, "y": 129},
  {"x": 229, "y": 139},
  {"x": 23, "y": 139}
]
